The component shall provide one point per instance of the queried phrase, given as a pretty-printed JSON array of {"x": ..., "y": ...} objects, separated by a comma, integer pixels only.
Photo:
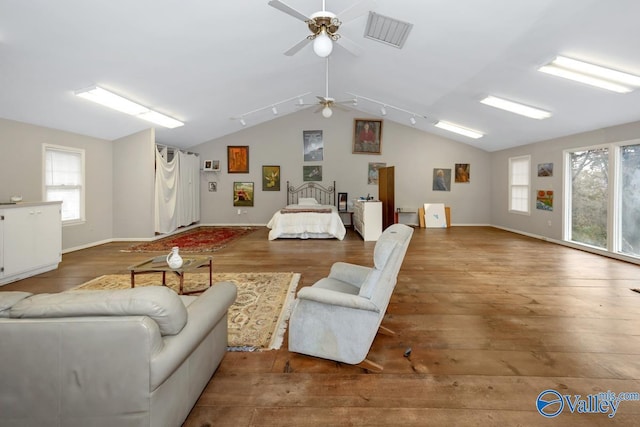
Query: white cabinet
[
  {"x": 367, "y": 219},
  {"x": 31, "y": 240}
]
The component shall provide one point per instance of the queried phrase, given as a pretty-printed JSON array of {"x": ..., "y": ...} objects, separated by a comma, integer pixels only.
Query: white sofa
[
  {"x": 134, "y": 357},
  {"x": 339, "y": 316}
]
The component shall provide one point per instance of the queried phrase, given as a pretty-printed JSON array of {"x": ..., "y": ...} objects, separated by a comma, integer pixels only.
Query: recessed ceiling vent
[{"x": 387, "y": 30}]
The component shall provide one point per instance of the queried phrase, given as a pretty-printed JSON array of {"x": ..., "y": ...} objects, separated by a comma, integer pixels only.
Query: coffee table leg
[
  {"x": 133, "y": 279},
  {"x": 181, "y": 282},
  {"x": 210, "y": 274}
]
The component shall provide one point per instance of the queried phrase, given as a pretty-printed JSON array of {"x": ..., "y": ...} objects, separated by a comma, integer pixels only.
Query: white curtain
[{"x": 177, "y": 191}]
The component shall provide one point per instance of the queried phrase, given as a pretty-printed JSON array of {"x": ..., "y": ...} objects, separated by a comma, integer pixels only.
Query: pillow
[
  {"x": 9, "y": 298},
  {"x": 159, "y": 303},
  {"x": 307, "y": 201}
]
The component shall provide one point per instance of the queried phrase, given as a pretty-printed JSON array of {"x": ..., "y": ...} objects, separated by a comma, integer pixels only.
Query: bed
[{"x": 310, "y": 213}]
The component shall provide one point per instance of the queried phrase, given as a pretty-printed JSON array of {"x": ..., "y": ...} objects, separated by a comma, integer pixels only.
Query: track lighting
[
  {"x": 384, "y": 106},
  {"x": 272, "y": 106}
]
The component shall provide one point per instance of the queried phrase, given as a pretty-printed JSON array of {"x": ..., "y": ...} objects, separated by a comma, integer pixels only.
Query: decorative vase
[{"x": 174, "y": 259}]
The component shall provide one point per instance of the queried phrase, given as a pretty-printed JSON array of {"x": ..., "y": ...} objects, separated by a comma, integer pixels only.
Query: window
[
  {"x": 519, "y": 184},
  {"x": 64, "y": 180},
  {"x": 602, "y": 197}
]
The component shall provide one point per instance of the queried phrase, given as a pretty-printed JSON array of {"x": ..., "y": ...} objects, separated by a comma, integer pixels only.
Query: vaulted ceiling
[{"x": 204, "y": 62}]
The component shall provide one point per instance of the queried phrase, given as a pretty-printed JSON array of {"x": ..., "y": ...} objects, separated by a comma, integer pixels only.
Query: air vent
[{"x": 387, "y": 30}]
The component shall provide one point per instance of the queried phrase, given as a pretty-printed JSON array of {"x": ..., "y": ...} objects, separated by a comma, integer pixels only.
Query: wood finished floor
[{"x": 493, "y": 319}]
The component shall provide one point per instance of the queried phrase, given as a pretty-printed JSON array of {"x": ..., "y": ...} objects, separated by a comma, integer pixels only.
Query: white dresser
[
  {"x": 367, "y": 219},
  {"x": 30, "y": 239}
]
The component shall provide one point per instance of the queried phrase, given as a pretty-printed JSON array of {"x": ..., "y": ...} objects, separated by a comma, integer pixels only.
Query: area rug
[
  {"x": 201, "y": 239},
  {"x": 258, "y": 318}
]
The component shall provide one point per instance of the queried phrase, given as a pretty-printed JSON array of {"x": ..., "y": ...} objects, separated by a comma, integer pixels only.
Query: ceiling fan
[
  {"x": 326, "y": 103},
  {"x": 324, "y": 26}
]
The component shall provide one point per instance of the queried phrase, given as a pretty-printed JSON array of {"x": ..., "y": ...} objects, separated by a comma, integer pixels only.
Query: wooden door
[{"x": 386, "y": 194}]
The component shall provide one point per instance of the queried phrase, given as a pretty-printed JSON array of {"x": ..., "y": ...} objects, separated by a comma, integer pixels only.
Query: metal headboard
[{"x": 324, "y": 195}]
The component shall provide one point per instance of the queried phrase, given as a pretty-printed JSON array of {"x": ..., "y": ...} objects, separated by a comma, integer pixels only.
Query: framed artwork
[
  {"x": 313, "y": 145},
  {"x": 441, "y": 179},
  {"x": 342, "y": 202},
  {"x": 367, "y": 136},
  {"x": 544, "y": 200},
  {"x": 270, "y": 178},
  {"x": 545, "y": 169},
  {"x": 213, "y": 186},
  {"x": 463, "y": 172},
  {"x": 238, "y": 159},
  {"x": 243, "y": 194},
  {"x": 312, "y": 173},
  {"x": 372, "y": 172}
]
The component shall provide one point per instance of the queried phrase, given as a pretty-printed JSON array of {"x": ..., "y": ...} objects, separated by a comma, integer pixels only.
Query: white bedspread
[{"x": 307, "y": 225}]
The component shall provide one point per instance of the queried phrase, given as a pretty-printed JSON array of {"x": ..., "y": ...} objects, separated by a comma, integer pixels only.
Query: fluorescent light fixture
[
  {"x": 594, "y": 75},
  {"x": 459, "y": 129},
  {"x": 514, "y": 107},
  {"x": 116, "y": 102}
]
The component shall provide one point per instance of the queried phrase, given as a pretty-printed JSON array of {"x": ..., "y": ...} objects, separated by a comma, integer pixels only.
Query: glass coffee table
[{"x": 159, "y": 265}]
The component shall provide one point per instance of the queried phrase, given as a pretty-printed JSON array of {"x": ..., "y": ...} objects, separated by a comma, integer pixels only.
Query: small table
[
  {"x": 159, "y": 265},
  {"x": 350, "y": 214}
]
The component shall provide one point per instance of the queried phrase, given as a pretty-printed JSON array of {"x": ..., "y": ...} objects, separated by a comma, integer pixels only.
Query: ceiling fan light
[
  {"x": 326, "y": 112},
  {"x": 322, "y": 44}
]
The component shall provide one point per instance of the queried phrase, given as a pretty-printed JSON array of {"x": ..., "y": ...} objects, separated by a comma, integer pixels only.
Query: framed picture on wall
[
  {"x": 372, "y": 172},
  {"x": 243, "y": 194},
  {"x": 312, "y": 173},
  {"x": 313, "y": 145},
  {"x": 270, "y": 178},
  {"x": 238, "y": 159},
  {"x": 463, "y": 172},
  {"x": 367, "y": 136}
]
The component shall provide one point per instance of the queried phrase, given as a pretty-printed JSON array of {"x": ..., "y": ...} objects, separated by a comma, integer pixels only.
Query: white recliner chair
[{"x": 338, "y": 317}]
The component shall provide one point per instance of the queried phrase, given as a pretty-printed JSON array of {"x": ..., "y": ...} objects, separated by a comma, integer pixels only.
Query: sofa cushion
[
  {"x": 9, "y": 298},
  {"x": 382, "y": 251},
  {"x": 159, "y": 303}
]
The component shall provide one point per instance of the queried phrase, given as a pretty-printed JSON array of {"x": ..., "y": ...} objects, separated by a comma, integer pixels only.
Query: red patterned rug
[{"x": 201, "y": 239}]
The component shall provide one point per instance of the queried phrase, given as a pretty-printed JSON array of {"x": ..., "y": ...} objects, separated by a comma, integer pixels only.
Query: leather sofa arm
[
  {"x": 203, "y": 314},
  {"x": 330, "y": 297}
]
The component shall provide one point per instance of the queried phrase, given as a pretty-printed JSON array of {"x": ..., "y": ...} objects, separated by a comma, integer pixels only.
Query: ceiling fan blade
[
  {"x": 317, "y": 110},
  {"x": 356, "y": 10},
  {"x": 350, "y": 46},
  {"x": 288, "y": 10},
  {"x": 322, "y": 99},
  {"x": 340, "y": 107},
  {"x": 295, "y": 49}
]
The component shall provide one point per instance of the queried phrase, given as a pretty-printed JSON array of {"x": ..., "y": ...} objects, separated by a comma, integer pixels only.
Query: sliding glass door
[
  {"x": 603, "y": 197},
  {"x": 629, "y": 200}
]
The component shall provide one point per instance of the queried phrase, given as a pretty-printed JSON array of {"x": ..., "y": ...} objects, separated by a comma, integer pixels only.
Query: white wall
[
  {"x": 545, "y": 152},
  {"x": 279, "y": 142},
  {"x": 133, "y": 186},
  {"x": 21, "y": 174}
]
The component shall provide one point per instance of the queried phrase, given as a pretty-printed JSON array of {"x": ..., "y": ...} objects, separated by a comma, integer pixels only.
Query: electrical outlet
[
  {"x": 239, "y": 211},
  {"x": 549, "y": 223}
]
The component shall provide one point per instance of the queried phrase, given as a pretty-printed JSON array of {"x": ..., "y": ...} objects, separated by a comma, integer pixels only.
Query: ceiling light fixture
[
  {"x": 594, "y": 75},
  {"x": 327, "y": 112},
  {"x": 272, "y": 107},
  {"x": 118, "y": 103},
  {"x": 384, "y": 106},
  {"x": 459, "y": 129},
  {"x": 514, "y": 107}
]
